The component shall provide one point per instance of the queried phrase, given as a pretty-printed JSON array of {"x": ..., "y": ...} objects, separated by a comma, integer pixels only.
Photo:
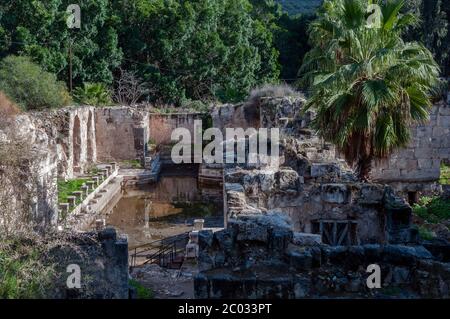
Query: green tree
[
  {"x": 197, "y": 49},
  {"x": 367, "y": 84},
  {"x": 292, "y": 43},
  {"x": 433, "y": 28},
  {"x": 38, "y": 29}
]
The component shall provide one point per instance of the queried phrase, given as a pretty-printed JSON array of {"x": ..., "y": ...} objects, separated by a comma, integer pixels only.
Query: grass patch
[
  {"x": 136, "y": 164},
  {"x": 66, "y": 188},
  {"x": 445, "y": 175},
  {"x": 142, "y": 292},
  {"x": 433, "y": 209},
  {"x": 23, "y": 275}
]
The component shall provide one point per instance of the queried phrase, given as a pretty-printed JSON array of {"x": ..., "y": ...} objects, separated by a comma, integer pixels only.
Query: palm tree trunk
[{"x": 364, "y": 167}]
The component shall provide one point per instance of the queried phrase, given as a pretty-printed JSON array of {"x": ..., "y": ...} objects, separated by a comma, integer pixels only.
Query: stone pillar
[
  {"x": 114, "y": 166},
  {"x": 91, "y": 184},
  {"x": 64, "y": 208},
  {"x": 96, "y": 181},
  {"x": 72, "y": 201},
  {"x": 85, "y": 190},
  {"x": 104, "y": 172},
  {"x": 198, "y": 224},
  {"x": 78, "y": 195}
]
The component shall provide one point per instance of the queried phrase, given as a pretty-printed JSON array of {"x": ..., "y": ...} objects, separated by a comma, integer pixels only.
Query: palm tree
[{"x": 367, "y": 85}]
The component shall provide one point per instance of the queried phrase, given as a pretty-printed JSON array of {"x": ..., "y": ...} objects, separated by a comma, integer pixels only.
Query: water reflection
[{"x": 164, "y": 209}]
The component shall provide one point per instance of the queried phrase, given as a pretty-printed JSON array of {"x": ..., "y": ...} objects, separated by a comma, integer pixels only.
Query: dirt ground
[{"x": 167, "y": 283}]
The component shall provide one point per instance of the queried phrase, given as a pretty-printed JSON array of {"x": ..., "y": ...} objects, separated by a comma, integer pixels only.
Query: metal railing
[{"x": 167, "y": 252}]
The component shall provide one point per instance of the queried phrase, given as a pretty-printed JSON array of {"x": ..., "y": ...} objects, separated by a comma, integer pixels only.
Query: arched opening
[
  {"x": 76, "y": 145},
  {"x": 90, "y": 139}
]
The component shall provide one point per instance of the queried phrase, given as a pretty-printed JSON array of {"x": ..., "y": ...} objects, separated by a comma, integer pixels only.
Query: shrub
[
  {"x": 23, "y": 271},
  {"x": 270, "y": 90},
  {"x": 95, "y": 94},
  {"x": 29, "y": 86},
  {"x": 433, "y": 209},
  {"x": 142, "y": 292}
]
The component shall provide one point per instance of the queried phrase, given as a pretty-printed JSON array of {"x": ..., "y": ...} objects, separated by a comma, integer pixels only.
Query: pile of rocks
[{"x": 259, "y": 256}]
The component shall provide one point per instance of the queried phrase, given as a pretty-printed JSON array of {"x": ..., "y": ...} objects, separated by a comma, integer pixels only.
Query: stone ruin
[
  {"x": 260, "y": 256},
  {"x": 309, "y": 228}
]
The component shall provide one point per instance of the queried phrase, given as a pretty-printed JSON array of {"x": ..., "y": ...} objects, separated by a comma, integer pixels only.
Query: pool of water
[{"x": 167, "y": 208}]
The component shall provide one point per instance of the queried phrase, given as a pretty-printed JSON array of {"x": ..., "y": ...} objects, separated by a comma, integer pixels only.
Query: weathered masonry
[
  {"x": 69, "y": 141},
  {"x": 416, "y": 169}
]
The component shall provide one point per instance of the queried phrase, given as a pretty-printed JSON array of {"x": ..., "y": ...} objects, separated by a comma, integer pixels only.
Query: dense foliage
[
  {"x": 38, "y": 29},
  {"x": 294, "y": 7},
  {"x": 29, "y": 86},
  {"x": 181, "y": 50},
  {"x": 200, "y": 49},
  {"x": 368, "y": 85},
  {"x": 433, "y": 28}
]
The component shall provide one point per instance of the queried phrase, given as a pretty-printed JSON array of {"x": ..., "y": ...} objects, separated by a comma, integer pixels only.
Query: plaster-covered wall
[{"x": 161, "y": 126}]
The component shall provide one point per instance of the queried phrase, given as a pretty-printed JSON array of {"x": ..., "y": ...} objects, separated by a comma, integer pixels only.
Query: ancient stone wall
[
  {"x": 413, "y": 169},
  {"x": 103, "y": 261},
  {"x": 122, "y": 133},
  {"x": 43, "y": 170},
  {"x": 314, "y": 188}
]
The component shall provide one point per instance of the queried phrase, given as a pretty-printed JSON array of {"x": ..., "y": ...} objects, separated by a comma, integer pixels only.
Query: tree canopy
[{"x": 367, "y": 84}]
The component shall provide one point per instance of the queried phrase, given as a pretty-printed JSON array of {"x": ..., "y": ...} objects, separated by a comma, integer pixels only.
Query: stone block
[
  {"x": 335, "y": 193},
  {"x": 191, "y": 251},
  {"x": 287, "y": 179},
  {"x": 304, "y": 239},
  {"x": 424, "y": 163},
  {"x": 320, "y": 169},
  {"x": 405, "y": 255},
  {"x": 85, "y": 190},
  {"x": 444, "y": 121},
  {"x": 205, "y": 238},
  {"x": 300, "y": 259},
  {"x": 236, "y": 200},
  {"x": 107, "y": 234},
  {"x": 64, "y": 208},
  {"x": 247, "y": 231},
  {"x": 371, "y": 194},
  {"x": 193, "y": 236},
  {"x": 235, "y": 187}
]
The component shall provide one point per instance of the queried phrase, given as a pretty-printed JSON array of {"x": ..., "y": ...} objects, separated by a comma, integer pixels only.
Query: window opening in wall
[{"x": 336, "y": 232}]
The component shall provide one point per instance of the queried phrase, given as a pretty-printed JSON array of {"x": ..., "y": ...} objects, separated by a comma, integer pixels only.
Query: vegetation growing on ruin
[
  {"x": 433, "y": 209},
  {"x": 94, "y": 94},
  {"x": 29, "y": 86},
  {"x": 445, "y": 175},
  {"x": 66, "y": 188},
  {"x": 135, "y": 164},
  {"x": 23, "y": 273}
]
